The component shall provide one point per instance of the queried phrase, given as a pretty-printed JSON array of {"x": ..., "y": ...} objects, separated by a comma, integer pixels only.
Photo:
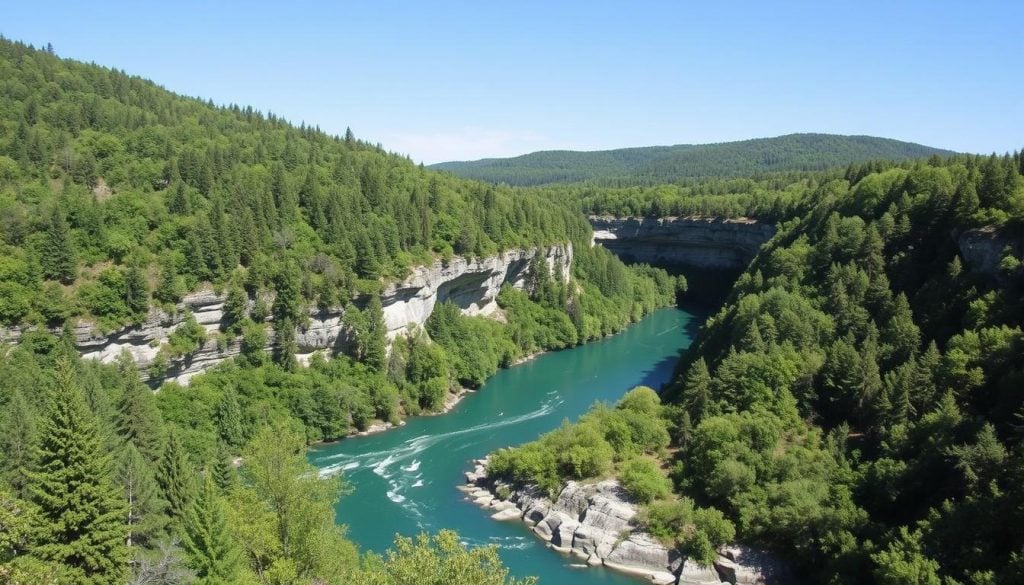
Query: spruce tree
[
  {"x": 146, "y": 516},
  {"x": 136, "y": 291},
  {"x": 168, "y": 288},
  {"x": 206, "y": 539},
  {"x": 229, "y": 419},
  {"x": 138, "y": 419},
  {"x": 697, "y": 390},
  {"x": 81, "y": 514},
  {"x": 235, "y": 308},
  {"x": 56, "y": 256},
  {"x": 375, "y": 341},
  {"x": 287, "y": 311},
  {"x": 223, "y": 469},
  {"x": 175, "y": 476},
  {"x": 17, "y": 441}
]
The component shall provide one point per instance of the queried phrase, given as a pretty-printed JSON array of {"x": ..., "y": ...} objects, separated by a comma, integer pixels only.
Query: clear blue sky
[{"x": 446, "y": 80}]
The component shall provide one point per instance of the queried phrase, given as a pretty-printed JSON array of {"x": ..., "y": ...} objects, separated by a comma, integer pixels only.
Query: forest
[
  {"x": 855, "y": 405},
  {"x": 117, "y": 198},
  {"x": 684, "y": 163}
]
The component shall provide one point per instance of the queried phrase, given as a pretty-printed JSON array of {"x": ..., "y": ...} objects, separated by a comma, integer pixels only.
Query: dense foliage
[
  {"x": 97, "y": 487},
  {"x": 629, "y": 441},
  {"x": 115, "y": 195},
  {"x": 655, "y": 165},
  {"x": 113, "y": 190},
  {"x": 855, "y": 406}
]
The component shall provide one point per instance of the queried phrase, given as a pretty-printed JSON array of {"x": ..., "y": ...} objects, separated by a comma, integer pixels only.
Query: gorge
[
  {"x": 404, "y": 479},
  {"x": 690, "y": 242}
]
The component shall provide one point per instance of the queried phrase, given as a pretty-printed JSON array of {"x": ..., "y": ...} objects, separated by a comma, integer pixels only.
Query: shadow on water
[{"x": 660, "y": 373}]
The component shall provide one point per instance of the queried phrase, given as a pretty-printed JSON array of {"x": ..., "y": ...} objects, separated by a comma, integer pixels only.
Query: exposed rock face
[
  {"x": 473, "y": 284},
  {"x": 596, "y": 522},
  {"x": 982, "y": 249},
  {"x": 683, "y": 241}
]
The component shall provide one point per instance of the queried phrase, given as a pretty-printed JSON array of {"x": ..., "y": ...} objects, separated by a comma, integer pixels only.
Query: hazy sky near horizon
[{"x": 465, "y": 80}]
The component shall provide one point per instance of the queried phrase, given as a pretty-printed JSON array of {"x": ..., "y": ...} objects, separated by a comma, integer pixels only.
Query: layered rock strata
[
  {"x": 698, "y": 242},
  {"x": 472, "y": 284}
]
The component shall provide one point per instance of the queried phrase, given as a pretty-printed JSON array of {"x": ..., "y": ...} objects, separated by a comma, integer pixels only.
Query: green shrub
[{"x": 644, "y": 480}]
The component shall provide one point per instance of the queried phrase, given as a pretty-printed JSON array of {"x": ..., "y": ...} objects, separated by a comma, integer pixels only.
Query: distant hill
[{"x": 670, "y": 164}]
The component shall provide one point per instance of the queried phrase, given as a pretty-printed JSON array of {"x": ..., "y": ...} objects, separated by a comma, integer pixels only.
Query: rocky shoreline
[{"x": 596, "y": 522}]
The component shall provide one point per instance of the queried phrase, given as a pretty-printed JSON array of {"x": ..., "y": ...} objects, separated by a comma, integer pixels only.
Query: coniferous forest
[
  {"x": 854, "y": 406},
  {"x": 118, "y": 197}
]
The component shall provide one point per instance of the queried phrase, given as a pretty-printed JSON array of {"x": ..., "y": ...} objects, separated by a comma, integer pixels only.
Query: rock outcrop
[
  {"x": 596, "y": 522},
  {"x": 683, "y": 241},
  {"x": 473, "y": 284},
  {"x": 982, "y": 249}
]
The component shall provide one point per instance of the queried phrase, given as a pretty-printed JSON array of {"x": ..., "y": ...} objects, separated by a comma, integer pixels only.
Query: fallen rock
[
  {"x": 743, "y": 565},
  {"x": 506, "y": 514},
  {"x": 644, "y": 552},
  {"x": 692, "y": 573}
]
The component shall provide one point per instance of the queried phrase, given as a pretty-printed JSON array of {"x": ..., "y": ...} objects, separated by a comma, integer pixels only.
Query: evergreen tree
[
  {"x": 177, "y": 199},
  {"x": 136, "y": 291},
  {"x": 374, "y": 342},
  {"x": 18, "y": 436},
  {"x": 168, "y": 288},
  {"x": 80, "y": 510},
  {"x": 229, "y": 419},
  {"x": 146, "y": 516},
  {"x": 138, "y": 419},
  {"x": 175, "y": 476},
  {"x": 696, "y": 396},
  {"x": 287, "y": 311},
  {"x": 223, "y": 469},
  {"x": 206, "y": 539},
  {"x": 56, "y": 256},
  {"x": 235, "y": 309}
]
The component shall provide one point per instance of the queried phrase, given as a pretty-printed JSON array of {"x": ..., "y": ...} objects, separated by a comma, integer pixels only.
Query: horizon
[
  {"x": 694, "y": 144},
  {"x": 444, "y": 83}
]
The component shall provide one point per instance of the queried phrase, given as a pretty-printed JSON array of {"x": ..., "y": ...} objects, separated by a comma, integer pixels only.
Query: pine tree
[
  {"x": 175, "y": 476},
  {"x": 206, "y": 539},
  {"x": 146, "y": 516},
  {"x": 81, "y": 512},
  {"x": 57, "y": 258}
]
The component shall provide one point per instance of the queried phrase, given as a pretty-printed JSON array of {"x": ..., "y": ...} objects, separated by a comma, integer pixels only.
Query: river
[{"x": 404, "y": 480}]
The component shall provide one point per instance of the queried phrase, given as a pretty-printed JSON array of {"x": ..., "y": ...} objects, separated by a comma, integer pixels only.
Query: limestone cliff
[
  {"x": 685, "y": 241},
  {"x": 473, "y": 284}
]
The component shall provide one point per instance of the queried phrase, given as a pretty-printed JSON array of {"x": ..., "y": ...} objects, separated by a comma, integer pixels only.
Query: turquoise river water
[{"x": 404, "y": 480}]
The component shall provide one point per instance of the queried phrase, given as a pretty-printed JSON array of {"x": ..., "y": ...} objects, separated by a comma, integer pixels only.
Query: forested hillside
[
  {"x": 117, "y": 195},
  {"x": 855, "y": 406},
  {"x": 657, "y": 165},
  {"x": 111, "y": 187}
]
